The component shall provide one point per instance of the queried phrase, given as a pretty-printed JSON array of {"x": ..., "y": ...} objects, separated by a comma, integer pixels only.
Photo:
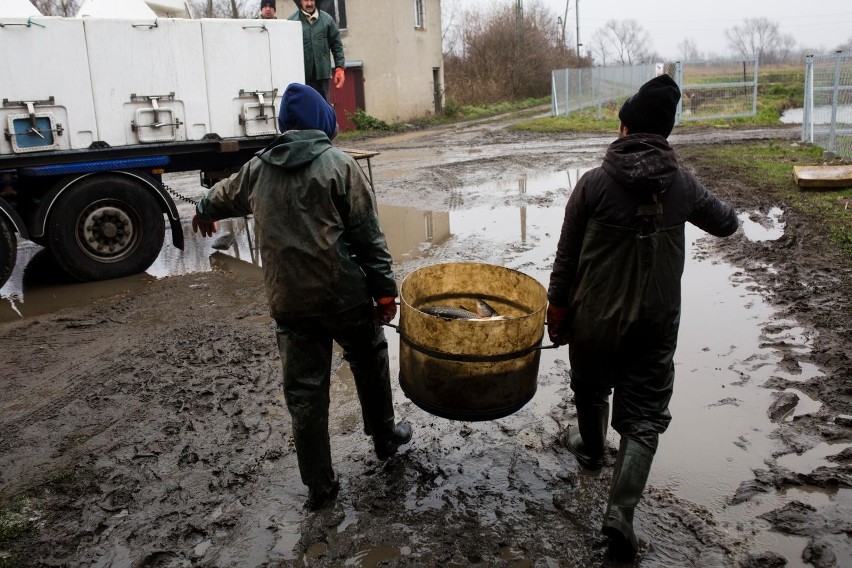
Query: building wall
[{"x": 398, "y": 59}]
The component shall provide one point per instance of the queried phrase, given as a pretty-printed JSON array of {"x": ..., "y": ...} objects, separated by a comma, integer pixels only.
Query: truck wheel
[
  {"x": 8, "y": 250},
  {"x": 106, "y": 226}
]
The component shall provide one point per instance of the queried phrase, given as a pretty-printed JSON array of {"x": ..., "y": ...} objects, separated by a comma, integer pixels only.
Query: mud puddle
[{"x": 732, "y": 344}]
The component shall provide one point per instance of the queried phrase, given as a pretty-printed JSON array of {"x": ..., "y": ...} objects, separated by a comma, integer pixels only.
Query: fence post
[
  {"x": 754, "y": 90},
  {"x": 678, "y": 78},
  {"x": 554, "y": 106},
  {"x": 832, "y": 133},
  {"x": 807, "y": 111}
]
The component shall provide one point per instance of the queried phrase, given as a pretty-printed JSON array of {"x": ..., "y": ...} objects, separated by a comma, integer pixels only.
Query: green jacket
[
  {"x": 317, "y": 40},
  {"x": 322, "y": 249}
]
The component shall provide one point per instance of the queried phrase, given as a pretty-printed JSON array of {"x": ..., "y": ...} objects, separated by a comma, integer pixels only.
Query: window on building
[
  {"x": 418, "y": 14},
  {"x": 337, "y": 9}
]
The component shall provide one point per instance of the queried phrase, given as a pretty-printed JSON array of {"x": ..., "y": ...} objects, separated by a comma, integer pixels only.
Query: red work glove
[
  {"x": 206, "y": 226},
  {"x": 339, "y": 77},
  {"x": 558, "y": 326},
  {"x": 385, "y": 309}
]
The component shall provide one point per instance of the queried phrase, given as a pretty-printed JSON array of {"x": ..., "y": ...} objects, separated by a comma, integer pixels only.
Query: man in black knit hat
[
  {"x": 267, "y": 10},
  {"x": 614, "y": 295}
]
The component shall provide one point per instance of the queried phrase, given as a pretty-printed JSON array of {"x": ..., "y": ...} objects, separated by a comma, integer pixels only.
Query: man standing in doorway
[
  {"x": 328, "y": 277},
  {"x": 267, "y": 10},
  {"x": 614, "y": 295},
  {"x": 320, "y": 36}
]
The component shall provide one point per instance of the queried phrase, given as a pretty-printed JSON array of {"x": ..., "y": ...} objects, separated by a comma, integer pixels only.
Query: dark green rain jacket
[
  {"x": 318, "y": 39},
  {"x": 621, "y": 252},
  {"x": 322, "y": 249}
]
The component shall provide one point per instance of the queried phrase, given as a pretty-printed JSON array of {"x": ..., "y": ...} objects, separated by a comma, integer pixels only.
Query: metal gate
[
  {"x": 573, "y": 89},
  {"x": 827, "y": 116},
  {"x": 720, "y": 88}
]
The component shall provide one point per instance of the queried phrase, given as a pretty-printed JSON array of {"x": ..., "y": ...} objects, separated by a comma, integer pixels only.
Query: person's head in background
[
  {"x": 267, "y": 9},
  {"x": 308, "y": 6}
]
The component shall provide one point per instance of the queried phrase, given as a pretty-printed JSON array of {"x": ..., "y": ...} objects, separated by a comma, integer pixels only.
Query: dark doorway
[
  {"x": 436, "y": 81},
  {"x": 350, "y": 98}
]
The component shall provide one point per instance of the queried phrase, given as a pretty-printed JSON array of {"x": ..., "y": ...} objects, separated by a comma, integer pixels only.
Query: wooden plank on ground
[{"x": 820, "y": 177}]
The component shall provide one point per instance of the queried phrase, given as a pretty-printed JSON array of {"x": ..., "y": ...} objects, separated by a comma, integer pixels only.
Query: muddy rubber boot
[
  {"x": 319, "y": 497},
  {"x": 386, "y": 447},
  {"x": 628, "y": 482},
  {"x": 372, "y": 381},
  {"x": 588, "y": 441}
]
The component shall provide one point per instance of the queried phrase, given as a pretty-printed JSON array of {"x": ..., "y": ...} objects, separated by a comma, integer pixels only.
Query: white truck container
[{"x": 95, "y": 110}]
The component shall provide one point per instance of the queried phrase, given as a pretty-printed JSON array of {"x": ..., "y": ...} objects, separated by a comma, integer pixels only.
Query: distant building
[{"x": 394, "y": 61}]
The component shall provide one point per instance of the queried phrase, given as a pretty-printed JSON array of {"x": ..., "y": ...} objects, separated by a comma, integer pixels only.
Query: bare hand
[{"x": 207, "y": 227}]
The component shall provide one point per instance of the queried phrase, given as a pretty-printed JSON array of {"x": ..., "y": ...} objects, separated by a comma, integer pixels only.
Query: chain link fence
[
  {"x": 715, "y": 88},
  {"x": 721, "y": 88},
  {"x": 575, "y": 89},
  {"x": 827, "y": 116}
]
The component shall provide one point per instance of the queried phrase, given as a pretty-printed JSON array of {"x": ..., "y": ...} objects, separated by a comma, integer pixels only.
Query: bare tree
[
  {"x": 66, "y": 8},
  {"x": 225, "y": 8},
  {"x": 756, "y": 37},
  {"x": 784, "y": 48},
  {"x": 630, "y": 43},
  {"x": 688, "y": 50},
  {"x": 503, "y": 55},
  {"x": 599, "y": 47}
]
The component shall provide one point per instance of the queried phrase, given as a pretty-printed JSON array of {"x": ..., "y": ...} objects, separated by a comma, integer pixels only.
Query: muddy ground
[{"x": 149, "y": 428}]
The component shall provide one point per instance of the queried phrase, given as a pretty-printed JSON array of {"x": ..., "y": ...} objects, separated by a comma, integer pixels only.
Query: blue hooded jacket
[{"x": 302, "y": 108}]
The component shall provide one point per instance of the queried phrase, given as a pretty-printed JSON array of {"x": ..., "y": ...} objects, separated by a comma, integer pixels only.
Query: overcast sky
[{"x": 820, "y": 25}]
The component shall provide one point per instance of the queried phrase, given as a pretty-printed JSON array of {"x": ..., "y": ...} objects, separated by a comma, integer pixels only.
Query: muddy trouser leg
[
  {"x": 305, "y": 349},
  {"x": 366, "y": 349},
  {"x": 640, "y": 414},
  {"x": 592, "y": 403}
]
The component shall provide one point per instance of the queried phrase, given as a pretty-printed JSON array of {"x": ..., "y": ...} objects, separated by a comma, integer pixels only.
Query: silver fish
[
  {"x": 447, "y": 312},
  {"x": 484, "y": 310}
]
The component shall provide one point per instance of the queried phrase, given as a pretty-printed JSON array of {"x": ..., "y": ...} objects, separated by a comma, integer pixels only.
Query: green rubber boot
[
  {"x": 588, "y": 441},
  {"x": 628, "y": 482}
]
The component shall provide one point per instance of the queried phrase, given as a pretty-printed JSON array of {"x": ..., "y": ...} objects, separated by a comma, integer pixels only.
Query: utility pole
[{"x": 577, "y": 14}]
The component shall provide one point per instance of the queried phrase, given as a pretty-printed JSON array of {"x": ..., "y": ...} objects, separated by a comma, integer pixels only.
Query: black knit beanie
[
  {"x": 267, "y": 3},
  {"x": 652, "y": 109}
]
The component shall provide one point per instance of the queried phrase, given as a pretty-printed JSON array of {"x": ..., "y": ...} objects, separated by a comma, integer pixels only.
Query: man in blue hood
[
  {"x": 614, "y": 295},
  {"x": 328, "y": 277}
]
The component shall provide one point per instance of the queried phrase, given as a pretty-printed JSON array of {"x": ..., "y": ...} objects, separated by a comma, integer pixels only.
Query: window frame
[{"x": 419, "y": 15}]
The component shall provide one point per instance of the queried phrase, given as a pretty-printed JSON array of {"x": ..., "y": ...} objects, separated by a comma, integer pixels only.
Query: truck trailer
[{"x": 94, "y": 111}]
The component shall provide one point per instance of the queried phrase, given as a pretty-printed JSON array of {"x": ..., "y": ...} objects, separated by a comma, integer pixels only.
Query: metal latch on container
[
  {"x": 34, "y": 129},
  {"x": 154, "y": 100},
  {"x": 261, "y": 97}
]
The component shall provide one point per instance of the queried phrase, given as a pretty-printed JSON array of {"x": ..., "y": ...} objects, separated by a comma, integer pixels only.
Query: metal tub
[{"x": 470, "y": 369}]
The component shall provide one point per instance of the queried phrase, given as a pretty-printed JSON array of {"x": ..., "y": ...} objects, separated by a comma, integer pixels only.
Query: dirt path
[{"x": 149, "y": 429}]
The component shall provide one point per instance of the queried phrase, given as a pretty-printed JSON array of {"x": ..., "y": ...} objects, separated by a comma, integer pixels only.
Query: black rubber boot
[
  {"x": 588, "y": 441},
  {"x": 386, "y": 447},
  {"x": 628, "y": 482},
  {"x": 319, "y": 497},
  {"x": 372, "y": 381}
]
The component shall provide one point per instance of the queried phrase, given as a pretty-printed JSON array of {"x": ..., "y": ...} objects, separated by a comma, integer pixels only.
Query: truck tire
[
  {"x": 105, "y": 226},
  {"x": 8, "y": 250}
]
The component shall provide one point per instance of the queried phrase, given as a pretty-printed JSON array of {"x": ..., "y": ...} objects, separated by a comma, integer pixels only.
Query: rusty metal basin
[{"x": 470, "y": 369}]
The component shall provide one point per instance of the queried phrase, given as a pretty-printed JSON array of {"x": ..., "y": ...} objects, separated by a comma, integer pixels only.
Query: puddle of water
[
  {"x": 373, "y": 557},
  {"x": 815, "y": 457},
  {"x": 821, "y": 115},
  {"x": 758, "y": 227}
]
